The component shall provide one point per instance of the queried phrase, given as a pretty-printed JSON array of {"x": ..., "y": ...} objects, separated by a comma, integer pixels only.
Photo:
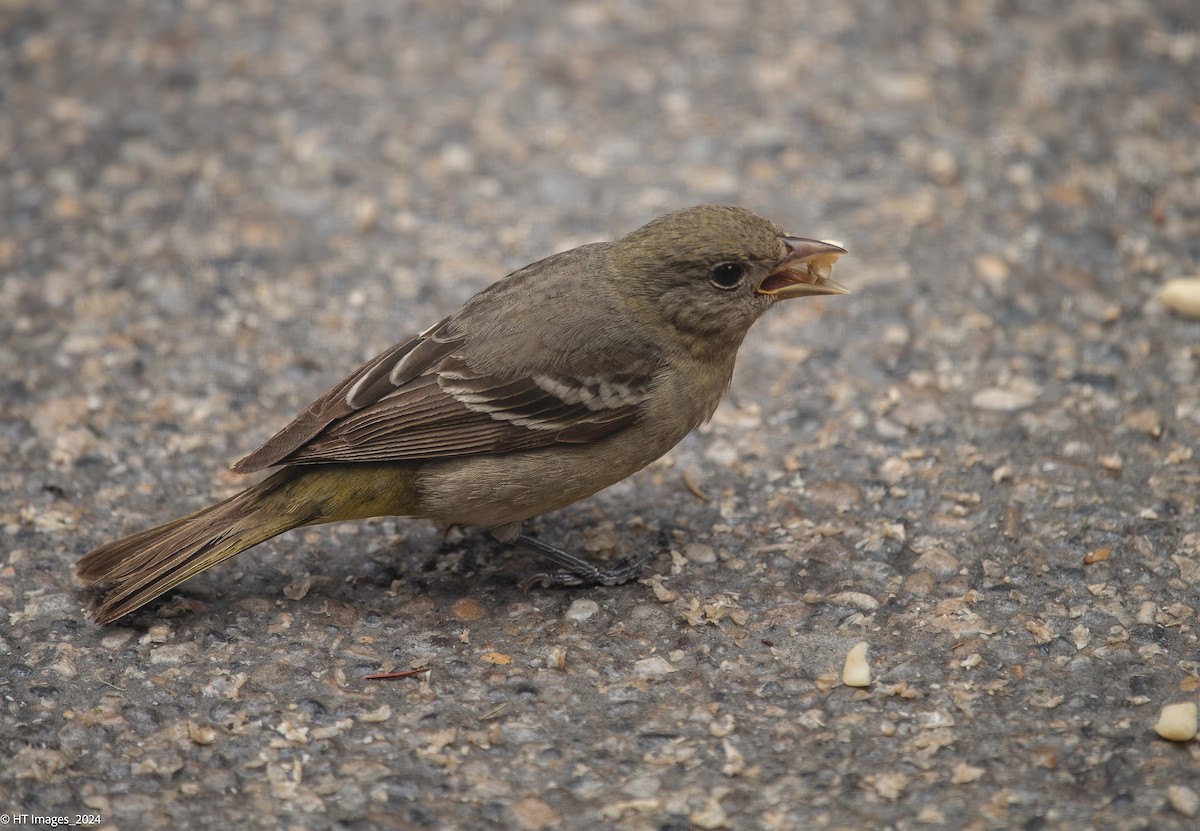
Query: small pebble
[
  {"x": 582, "y": 610},
  {"x": 889, "y": 784},
  {"x": 735, "y": 762},
  {"x": 1147, "y": 612},
  {"x": 941, "y": 562},
  {"x": 366, "y": 215},
  {"x": 858, "y": 600},
  {"x": 857, "y": 672},
  {"x": 533, "y": 814},
  {"x": 712, "y": 815},
  {"x": 698, "y": 552},
  {"x": 992, "y": 270},
  {"x": 1002, "y": 401},
  {"x": 964, "y": 774},
  {"x": 920, "y": 583},
  {"x": 1144, "y": 421},
  {"x": 201, "y": 733},
  {"x": 1177, "y": 722},
  {"x": 380, "y": 714},
  {"x": 1184, "y": 800},
  {"x": 467, "y": 608},
  {"x": 722, "y": 727},
  {"x": 1182, "y": 296},
  {"x": 653, "y": 667}
]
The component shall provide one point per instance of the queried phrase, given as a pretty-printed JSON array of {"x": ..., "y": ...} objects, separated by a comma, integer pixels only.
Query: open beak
[{"x": 805, "y": 271}]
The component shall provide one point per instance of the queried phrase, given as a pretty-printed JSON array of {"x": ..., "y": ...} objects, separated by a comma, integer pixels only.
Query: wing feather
[{"x": 421, "y": 399}]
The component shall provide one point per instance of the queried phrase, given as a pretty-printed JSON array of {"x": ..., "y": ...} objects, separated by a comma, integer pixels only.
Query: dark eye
[{"x": 727, "y": 275}]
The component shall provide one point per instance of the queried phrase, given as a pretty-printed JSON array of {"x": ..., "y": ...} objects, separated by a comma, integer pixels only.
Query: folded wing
[{"x": 422, "y": 400}]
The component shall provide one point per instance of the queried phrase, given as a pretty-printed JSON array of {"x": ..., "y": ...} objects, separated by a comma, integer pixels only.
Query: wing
[{"x": 421, "y": 399}]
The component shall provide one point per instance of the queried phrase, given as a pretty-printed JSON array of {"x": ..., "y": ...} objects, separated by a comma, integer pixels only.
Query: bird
[{"x": 563, "y": 378}]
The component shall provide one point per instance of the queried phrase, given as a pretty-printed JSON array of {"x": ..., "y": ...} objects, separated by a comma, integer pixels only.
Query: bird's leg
[{"x": 576, "y": 571}]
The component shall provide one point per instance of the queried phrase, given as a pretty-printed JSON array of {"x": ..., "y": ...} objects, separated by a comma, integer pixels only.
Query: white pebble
[
  {"x": 698, "y": 552},
  {"x": 582, "y": 610},
  {"x": 857, "y": 672},
  {"x": 1182, "y": 296},
  {"x": 1002, "y": 401},
  {"x": 652, "y": 667},
  {"x": 859, "y": 600},
  {"x": 1177, "y": 722},
  {"x": 1184, "y": 800}
]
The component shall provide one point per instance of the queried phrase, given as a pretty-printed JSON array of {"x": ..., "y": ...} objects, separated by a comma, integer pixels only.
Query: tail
[
  {"x": 151, "y": 563},
  {"x": 146, "y": 565}
]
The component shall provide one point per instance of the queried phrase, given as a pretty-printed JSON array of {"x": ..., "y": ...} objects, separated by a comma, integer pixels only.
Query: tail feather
[
  {"x": 148, "y": 564},
  {"x": 143, "y": 566}
]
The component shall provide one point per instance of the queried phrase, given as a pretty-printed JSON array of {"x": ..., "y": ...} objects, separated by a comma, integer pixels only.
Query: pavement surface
[{"x": 981, "y": 463}]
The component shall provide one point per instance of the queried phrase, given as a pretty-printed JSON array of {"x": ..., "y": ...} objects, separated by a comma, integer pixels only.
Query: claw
[{"x": 576, "y": 572}]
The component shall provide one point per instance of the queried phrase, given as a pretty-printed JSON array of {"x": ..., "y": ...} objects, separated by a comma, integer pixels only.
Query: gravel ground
[{"x": 980, "y": 463}]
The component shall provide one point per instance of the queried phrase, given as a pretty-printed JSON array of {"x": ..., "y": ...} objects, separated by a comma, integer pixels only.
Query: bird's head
[{"x": 710, "y": 271}]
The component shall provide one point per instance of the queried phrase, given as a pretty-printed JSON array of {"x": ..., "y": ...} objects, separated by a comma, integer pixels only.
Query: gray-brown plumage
[{"x": 553, "y": 383}]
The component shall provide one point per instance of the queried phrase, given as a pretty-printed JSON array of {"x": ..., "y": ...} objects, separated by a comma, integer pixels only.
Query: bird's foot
[{"x": 575, "y": 570}]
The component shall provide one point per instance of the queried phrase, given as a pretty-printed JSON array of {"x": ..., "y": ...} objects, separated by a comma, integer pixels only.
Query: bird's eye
[{"x": 727, "y": 275}]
